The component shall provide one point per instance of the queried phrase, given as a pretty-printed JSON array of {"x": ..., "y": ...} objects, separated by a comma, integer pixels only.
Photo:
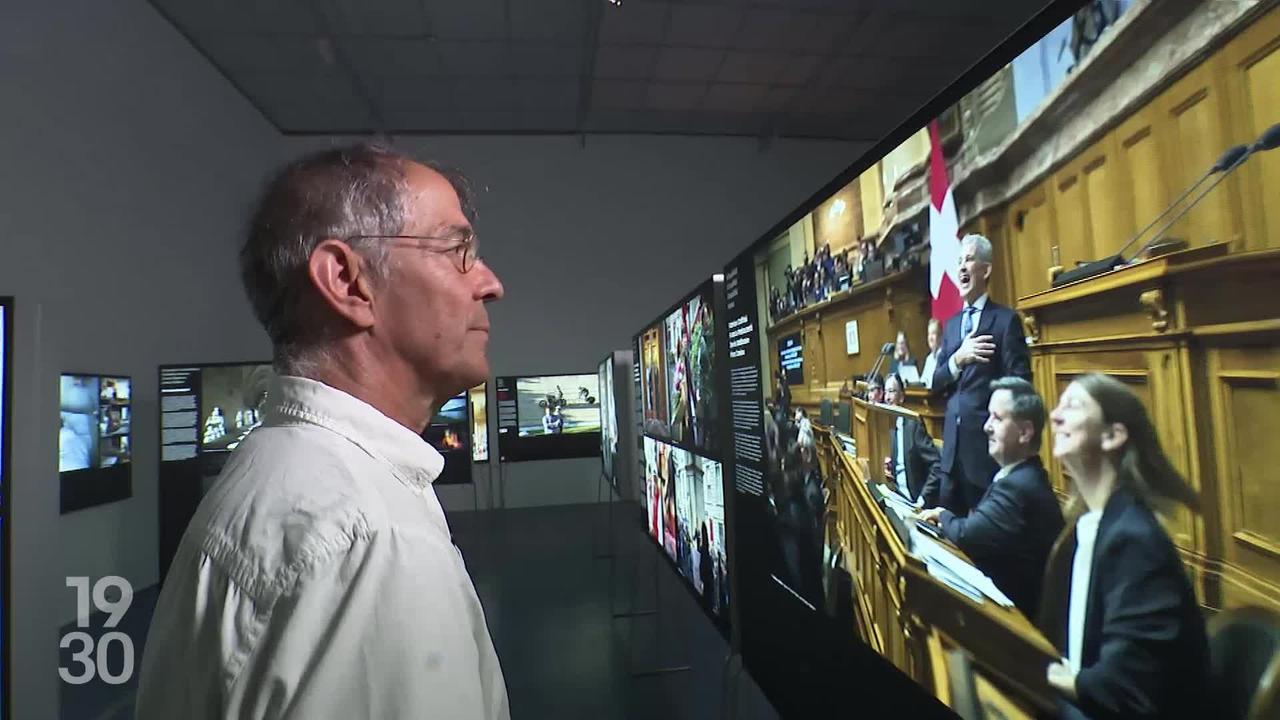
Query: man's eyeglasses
[{"x": 464, "y": 249}]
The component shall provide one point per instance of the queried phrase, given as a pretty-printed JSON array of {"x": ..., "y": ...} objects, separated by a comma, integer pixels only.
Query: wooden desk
[
  {"x": 931, "y": 408},
  {"x": 1196, "y": 335},
  {"x": 900, "y": 610}
]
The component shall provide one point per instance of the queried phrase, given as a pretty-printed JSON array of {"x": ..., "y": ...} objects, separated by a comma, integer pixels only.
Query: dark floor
[{"x": 544, "y": 577}]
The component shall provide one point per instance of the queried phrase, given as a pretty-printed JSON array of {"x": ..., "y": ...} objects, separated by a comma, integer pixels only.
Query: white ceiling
[{"x": 768, "y": 68}]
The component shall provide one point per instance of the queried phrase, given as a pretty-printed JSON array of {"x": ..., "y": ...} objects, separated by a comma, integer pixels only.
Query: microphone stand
[
  {"x": 1191, "y": 205},
  {"x": 1229, "y": 161},
  {"x": 885, "y": 351}
]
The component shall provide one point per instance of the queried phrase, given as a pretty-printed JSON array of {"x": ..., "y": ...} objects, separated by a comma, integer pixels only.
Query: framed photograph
[{"x": 851, "y": 337}]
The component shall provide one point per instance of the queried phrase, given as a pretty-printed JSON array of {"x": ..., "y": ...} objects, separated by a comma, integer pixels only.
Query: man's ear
[
  {"x": 986, "y": 273},
  {"x": 1026, "y": 432},
  {"x": 340, "y": 277}
]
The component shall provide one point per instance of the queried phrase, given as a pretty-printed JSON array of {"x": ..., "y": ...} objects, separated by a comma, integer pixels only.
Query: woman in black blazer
[{"x": 1117, "y": 602}]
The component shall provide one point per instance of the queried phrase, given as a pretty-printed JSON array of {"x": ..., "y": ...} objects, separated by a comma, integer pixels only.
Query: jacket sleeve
[
  {"x": 1016, "y": 359},
  {"x": 995, "y": 523},
  {"x": 1140, "y": 611},
  {"x": 928, "y": 454}
]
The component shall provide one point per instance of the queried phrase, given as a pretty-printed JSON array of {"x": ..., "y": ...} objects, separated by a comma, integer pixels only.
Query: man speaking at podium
[{"x": 981, "y": 343}]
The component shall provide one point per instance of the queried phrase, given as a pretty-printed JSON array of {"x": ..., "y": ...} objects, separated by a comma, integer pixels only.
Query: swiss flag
[{"x": 944, "y": 234}]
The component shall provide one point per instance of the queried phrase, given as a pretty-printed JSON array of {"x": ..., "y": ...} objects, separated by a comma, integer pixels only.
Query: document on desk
[
  {"x": 848, "y": 444},
  {"x": 947, "y": 567},
  {"x": 951, "y": 580}
]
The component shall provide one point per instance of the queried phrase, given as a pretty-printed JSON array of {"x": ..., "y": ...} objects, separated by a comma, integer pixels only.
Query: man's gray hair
[
  {"x": 338, "y": 193},
  {"x": 1028, "y": 406},
  {"x": 981, "y": 246}
]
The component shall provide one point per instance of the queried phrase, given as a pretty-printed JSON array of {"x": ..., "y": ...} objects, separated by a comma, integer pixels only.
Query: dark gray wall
[
  {"x": 130, "y": 164},
  {"x": 594, "y": 242}
]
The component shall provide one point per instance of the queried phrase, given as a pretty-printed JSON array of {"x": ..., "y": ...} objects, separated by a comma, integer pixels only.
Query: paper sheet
[{"x": 934, "y": 553}]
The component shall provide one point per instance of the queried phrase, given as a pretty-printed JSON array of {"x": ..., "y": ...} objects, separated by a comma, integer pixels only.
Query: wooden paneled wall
[
  {"x": 1090, "y": 205},
  {"x": 1197, "y": 339},
  {"x": 897, "y": 302}
]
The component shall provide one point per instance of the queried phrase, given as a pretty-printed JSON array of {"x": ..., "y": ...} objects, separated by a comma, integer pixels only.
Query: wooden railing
[{"x": 903, "y": 612}]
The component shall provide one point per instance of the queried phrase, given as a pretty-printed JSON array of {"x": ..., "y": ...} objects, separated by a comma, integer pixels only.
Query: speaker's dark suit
[
  {"x": 1009, "y": 533},
  {"x": 1145, "y": 653},
  {"x": 921, "y": 460},
  {"x": 967, "y": 467}
]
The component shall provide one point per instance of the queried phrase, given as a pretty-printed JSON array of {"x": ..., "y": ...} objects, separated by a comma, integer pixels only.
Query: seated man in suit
[
  {"x": 913, "y": 466},
  {"x": 1011, "y": 530},
  {"x": 982, "y": 342},
  {"x": 875, "y": 389}
]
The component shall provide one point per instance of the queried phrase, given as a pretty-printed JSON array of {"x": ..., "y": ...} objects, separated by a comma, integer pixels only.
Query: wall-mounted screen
[
  {"x": 478, "y": 402},
  {"x": 685, "y": 515},
  {"x": 206, "y": 411},
  {"x": 1058, "y": 149},
  {"x": 608, "y": 419},
  {"x": 449, "y": 432},
  {"x": 232, "y": 401},
  {"x": 6, "y": 385},
  {"x": 682, "y": 478},
  {"x": 94, "y": 451},
  {"x": 678, "y": 364},
  {"x": 791, "y": 359},
  {"x": 546, "y": 417}
]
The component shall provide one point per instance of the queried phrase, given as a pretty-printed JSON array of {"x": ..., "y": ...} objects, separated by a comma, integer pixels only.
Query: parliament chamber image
[
  {"x": 940, "y": 369},
  {"x": 1072, "y": 174}
]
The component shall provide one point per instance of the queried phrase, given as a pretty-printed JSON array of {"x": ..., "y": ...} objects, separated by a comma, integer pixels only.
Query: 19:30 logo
[{"x": 91, "y": 659}]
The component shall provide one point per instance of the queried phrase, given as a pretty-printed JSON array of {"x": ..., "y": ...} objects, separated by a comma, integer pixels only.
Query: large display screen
[
  {"x": 683, "y": 496},
  {"x": 791, "y": 359},
  {"x": 685, "y": 516},
  {"x": 94, "y": 451},
  {"x": 232, "y": 401},
  {"x": 206, "y": 411},
  {"x": 478, "y": 404},
  {"x": 6, "y": 363},
  {"x": 546, "y": 417},
  {"x": 677, "y": 376},
  {"x": 894, "y": 220},
  {"x": 608, "y": 420},
  {"x": 449, "y": 432}
]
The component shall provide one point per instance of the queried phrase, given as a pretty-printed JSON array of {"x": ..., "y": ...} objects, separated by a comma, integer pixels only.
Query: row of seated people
[
  {"x": 904, "y": 364},
  {"x": 827, "y": 273},
  {"x": 1101, "y": 577}
]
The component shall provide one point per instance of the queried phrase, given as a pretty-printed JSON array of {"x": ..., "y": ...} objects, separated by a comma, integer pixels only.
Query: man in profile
[
  {"x": 912, "y": 467},
  {"x": 318, "y": 578},
  {"x": 1010, "y": 531},
  {"x": 982, "y": 342}
]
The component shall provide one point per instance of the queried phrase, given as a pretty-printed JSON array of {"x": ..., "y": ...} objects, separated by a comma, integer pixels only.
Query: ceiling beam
[
  {"x": 590, "y": 47},
  {"x": 343, "y": 62}
]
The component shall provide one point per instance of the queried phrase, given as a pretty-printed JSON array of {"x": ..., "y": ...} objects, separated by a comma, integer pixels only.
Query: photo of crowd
[
  {"x": 677, "y": 371},
  {"x": 795, "y": 494},
  {"x": 684, "y": 507}
]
